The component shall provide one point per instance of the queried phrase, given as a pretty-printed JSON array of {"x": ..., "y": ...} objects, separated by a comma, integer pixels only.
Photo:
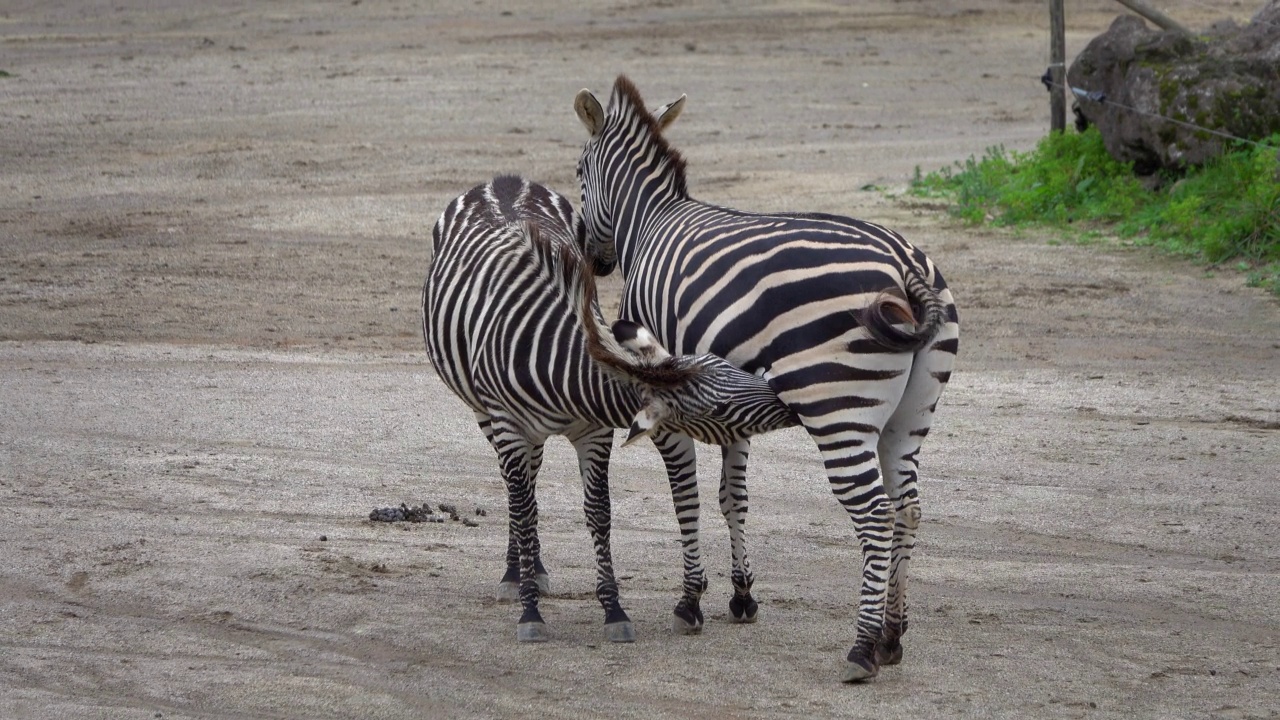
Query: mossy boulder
[{"x": 1226, "y": 80}]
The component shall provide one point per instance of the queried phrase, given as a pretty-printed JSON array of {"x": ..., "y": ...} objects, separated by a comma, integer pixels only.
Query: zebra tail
[
  {"x": 927, "y": 312},
  {"x": 652, "y": 366}
]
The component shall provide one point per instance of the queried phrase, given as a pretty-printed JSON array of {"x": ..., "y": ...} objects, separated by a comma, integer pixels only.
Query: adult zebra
[
  {"x": 512, "y": 326},
  {"x": 824, "y": 306}
]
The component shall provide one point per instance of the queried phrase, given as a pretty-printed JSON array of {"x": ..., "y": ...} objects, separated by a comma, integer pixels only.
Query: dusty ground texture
[{"x": 212, "y": 233}]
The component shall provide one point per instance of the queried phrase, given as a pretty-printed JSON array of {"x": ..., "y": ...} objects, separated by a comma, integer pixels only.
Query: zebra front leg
[
  {"x": 514, "y": 455},
  {"x": 680, "y": 457},
  {"x": 593, "y": 449},
  {"x": 733, "y": 504},
  {"x": 509, "y": 586}
]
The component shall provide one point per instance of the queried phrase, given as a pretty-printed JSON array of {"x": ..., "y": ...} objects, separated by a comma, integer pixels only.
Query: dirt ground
[{"x": 213, "y": 221}]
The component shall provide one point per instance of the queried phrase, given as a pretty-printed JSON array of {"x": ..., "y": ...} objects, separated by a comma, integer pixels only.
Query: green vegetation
[{"x": 1227, "y": 211}]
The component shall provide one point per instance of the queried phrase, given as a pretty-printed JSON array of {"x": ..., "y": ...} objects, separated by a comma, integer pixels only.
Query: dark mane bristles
[{"x": 626, "y": 100}]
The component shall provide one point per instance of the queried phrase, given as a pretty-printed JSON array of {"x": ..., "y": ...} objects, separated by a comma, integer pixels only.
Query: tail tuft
[{"x": 922, "y": 308}]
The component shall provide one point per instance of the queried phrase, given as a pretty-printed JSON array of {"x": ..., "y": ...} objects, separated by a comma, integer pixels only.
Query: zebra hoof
[
  {"x": 686, "y": 620},
  {"x": 532, "y": 632},
  {"x": 509, "y": 590},
  {"x": 620, "y": 632},
  {"x": 683, "y": 627},
  {"x": 859, "y": 667},
  {"x": 743, "y": 608},
  {"x": 889, "y": 652}
]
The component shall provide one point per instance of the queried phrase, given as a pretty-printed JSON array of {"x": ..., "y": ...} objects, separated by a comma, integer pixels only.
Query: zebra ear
[
  {"x": 636, "y": 339},
  {"x": 668, "y": 113},
  {"x": 589, "y": 111}
]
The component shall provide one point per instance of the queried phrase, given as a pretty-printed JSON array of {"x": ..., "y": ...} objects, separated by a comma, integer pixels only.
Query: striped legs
[
  {"x": 520, "y": 459},
  {"x": 899, "y": 450},
  {"x": 733, "y": 504},
  {"x": 515, "y": 453},
  {"x": 509, "y": 586},
  {"x": 593, "y": 447},
  {"x": 681, "y": 459},
  {"x": 862, "y": 494},
  {"x": 680, "y": 456},
  {"x": 844, "y": 406}
]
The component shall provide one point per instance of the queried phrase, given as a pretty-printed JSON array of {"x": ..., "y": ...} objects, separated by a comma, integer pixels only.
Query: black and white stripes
[
  {"x": 853, "y": 327},
  {"x": 513, "y": 329}
]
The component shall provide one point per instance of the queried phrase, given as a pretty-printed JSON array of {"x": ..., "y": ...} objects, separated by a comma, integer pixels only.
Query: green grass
[{"x": 1224, "y": 214}]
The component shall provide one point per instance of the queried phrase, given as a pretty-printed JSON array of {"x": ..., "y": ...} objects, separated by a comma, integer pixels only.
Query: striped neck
[{"x": 646, "y": 175}]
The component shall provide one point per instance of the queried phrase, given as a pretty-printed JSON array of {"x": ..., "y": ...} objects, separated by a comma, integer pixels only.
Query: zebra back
[{"x": 499, "y": 309}]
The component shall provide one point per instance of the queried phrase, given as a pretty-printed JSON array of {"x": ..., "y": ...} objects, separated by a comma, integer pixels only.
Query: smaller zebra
[{"x": 513, "y": 327}]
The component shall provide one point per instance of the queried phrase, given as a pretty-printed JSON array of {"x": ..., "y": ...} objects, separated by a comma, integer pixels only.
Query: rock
[{"x": 1227, "y": 80}]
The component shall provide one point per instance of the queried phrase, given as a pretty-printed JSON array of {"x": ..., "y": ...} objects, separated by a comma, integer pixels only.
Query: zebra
[
  {"x": 513, "y": 328},
  {"x": 854, "y": 328}
]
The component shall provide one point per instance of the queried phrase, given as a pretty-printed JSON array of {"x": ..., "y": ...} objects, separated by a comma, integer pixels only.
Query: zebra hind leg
[
  {"x": 593, "y": 450},
  {"x": 733, "y": 504},
  {"x": 846, "y": 425},
  {"x": 514, "y": 454},
  {"x": 898, "y": 462},
  {"x": 509, "y": 586},
  {"x": 899, "y": 449},
  {"x": 680, "y": 457},
  {"x": 508, "y": 590}
]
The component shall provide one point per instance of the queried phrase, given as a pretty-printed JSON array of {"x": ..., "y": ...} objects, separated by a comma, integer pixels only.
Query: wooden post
[
  {"x": 1162, "y": 21},
  {"x": 1057, "y": 67}
]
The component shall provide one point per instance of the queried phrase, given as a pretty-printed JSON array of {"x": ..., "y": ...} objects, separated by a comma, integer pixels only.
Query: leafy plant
[{"x": 1227, "y": 210}]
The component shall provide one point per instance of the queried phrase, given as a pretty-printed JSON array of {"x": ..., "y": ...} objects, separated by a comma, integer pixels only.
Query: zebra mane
[
  {"x": 626, "y": 101},
  {"x": 570, "y": 274}
]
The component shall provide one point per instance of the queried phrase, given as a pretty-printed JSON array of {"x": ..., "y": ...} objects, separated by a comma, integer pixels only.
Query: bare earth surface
[{"x": 213, "y": 220}]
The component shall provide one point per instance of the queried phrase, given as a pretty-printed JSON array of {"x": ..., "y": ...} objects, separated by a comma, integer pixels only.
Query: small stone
[{"x": 324, "y": 538}]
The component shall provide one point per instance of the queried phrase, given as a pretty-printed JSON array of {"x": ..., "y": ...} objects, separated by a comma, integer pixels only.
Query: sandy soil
[{"x": 212, "y": 234}]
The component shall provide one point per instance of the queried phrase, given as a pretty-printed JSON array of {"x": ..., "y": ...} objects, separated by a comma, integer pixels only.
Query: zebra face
[
  {"x": 702, "y": 396},
  {"x": 597, "y": 220},
  {"x": 626, "y": 140},
  {"x": 603, "y": 256},
  {"x": 596, "y": 226},
  {"x": 719, "y": 406}
]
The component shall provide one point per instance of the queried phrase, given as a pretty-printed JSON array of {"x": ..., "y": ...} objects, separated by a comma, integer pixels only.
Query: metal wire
[{"x": 1101, "y": 98}]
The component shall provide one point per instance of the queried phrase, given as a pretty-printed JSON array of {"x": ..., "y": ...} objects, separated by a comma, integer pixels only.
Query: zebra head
[
  {"x": 702, "y": 396},
  {"x": 626, "y": 135}
]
